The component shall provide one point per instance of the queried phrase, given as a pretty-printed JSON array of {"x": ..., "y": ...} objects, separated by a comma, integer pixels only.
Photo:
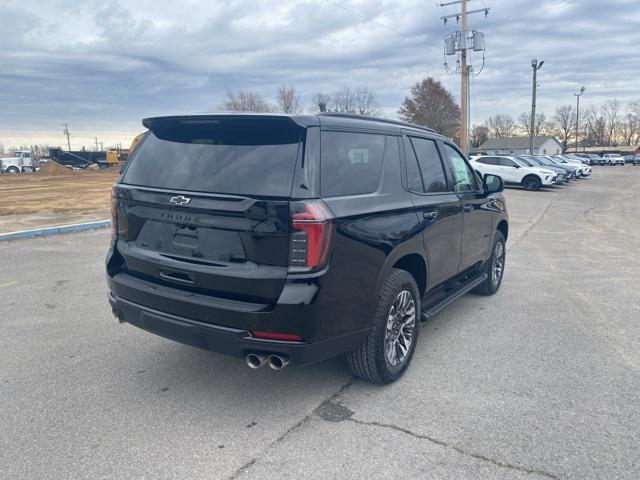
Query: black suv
[{"x": 300, "y": 238}]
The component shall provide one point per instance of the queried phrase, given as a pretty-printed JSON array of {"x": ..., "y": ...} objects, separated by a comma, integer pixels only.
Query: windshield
[
  {"x": 523, "y": 162},
  {"x": 229, "y": 156}
]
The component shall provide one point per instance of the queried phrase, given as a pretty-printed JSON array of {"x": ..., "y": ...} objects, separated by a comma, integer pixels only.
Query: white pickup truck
[{"x": 22, "y": 161}]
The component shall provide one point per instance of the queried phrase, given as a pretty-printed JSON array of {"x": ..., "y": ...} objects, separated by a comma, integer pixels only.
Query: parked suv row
[{"x": 300, "y": 238}]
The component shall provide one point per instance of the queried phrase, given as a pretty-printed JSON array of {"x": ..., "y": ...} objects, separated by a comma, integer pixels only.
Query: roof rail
[{"x": 356, "y": 116}]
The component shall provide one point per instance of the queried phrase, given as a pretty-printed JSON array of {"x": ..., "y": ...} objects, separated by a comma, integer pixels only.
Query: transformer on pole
[{"x": 461, "y": 43}]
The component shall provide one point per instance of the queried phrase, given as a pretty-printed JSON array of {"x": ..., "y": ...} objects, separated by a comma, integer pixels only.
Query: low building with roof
[{"x": 543, "y": 144}]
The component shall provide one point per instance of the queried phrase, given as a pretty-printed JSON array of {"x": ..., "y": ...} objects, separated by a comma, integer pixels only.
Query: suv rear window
[
  {"x": 229, "y": 156},
  {"x": 351, "y": 163}
]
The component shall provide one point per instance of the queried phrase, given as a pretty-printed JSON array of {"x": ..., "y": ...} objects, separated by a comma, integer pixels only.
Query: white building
[{"x": 545, "y": 145}]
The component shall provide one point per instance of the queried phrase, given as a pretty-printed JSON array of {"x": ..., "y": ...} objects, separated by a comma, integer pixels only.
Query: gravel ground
[{"x": 541, "y": 380}]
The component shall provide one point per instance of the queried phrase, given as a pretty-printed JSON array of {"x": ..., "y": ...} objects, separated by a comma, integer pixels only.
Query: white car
[
  {"x": 613, "y": 159},
  {"x": 583, "y": 170},
  {"x": 514, "y": 171}
]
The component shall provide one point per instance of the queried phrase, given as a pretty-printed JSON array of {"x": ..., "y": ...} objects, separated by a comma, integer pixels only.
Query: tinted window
[
  {"x": 430, "y": 165},
  {"x": 505, "y": 162},
  {"x": 414, "y": 179},
  {"x": 463, "y": 178},
  {"x": 489, "y": 161},
  {"x": 350, "y": 163},
  {"x": 231, "y": 156}
]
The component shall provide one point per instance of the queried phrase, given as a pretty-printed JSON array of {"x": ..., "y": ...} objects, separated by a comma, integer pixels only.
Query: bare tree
[
  {"x": 366, "y": 103},
  {"x": 610, "y": 111},
  {"x": 633, "y": 122},
  {"x": 596, "y": 127},
  {"x": 245, "y": 101},
  {"x": 287, "y": 100},
  {"x": 629, "y": 129},
  {"x": 501, "y": 126},
  {"x": 479, "y": 135},
  {"x": 563, "y": 124},
  {"x": 432, "y": 105},
  {"x": 359, "y": 100},
  {"x": 321, "y": 102},
  {"x": 540, "y": 127}
]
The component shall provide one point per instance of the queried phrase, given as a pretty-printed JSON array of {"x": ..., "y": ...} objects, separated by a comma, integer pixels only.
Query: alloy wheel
[
  {"x": 497, "y": 269},
  {"x": 401, "y": 324}
]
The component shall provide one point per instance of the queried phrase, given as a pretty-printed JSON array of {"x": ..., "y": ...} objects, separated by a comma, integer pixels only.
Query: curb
[{"x": 76, "y": 227}]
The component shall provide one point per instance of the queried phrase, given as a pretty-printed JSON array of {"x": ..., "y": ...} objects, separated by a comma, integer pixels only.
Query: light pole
[
  {"x": 536, "y": 66},
  {"x": 578, "y": 95}
]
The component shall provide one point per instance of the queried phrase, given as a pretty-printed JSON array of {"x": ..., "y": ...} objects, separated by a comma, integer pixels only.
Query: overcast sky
[{"x": 104, "y": 65}]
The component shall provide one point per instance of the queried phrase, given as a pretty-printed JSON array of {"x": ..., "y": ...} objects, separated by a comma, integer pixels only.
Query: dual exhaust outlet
[{"x": 274, "y": 360}]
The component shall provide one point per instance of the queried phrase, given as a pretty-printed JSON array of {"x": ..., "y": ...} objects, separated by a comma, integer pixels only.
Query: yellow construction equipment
[{"x": 116, "y": 156}]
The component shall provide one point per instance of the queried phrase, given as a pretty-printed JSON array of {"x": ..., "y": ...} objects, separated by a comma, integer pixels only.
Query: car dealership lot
[{"x": 541, "y": 380}]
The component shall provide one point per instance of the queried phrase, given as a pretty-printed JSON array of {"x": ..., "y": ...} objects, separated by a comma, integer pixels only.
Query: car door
[
  {"x": 489, "y": 165},
  {"x": 438, "y": 209},
  {"x": 478, "y": 220},
  {"x": 510, "y": 170}
]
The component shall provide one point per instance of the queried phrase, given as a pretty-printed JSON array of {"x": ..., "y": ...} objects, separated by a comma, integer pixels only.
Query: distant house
[{"x": 519, "y": 146}]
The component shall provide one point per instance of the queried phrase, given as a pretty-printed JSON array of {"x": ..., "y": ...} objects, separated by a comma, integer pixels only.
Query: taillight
[
  {"x": 119, "y": 223},
  {"x": 114, "y": 211},
  {"x": 312, "y": 224}
]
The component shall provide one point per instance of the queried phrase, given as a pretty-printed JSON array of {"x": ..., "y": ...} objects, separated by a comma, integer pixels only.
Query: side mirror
[
  {"x": 516, "y": 165},
  {"x": 492, "y": 184}
]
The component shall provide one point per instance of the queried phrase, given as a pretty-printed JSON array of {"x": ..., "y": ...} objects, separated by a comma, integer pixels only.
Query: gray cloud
[{"x": 103, "y": 65}]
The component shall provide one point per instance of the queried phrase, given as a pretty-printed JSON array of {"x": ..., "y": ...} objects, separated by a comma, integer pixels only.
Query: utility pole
[
  {"x": 96, "y": 138},
  {"x": 460, "y": 42},
  {"x": 464, "y": 80},
  {"x": 66, "y": 132},
  {"x": 578, "y": 95},
  {"x": 536, "y": 67}
]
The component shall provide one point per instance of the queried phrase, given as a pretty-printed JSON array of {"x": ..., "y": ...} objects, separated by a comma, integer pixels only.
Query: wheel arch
[
  {"x": 503, "y": 226},
  {"x": 410, "y": 257}
]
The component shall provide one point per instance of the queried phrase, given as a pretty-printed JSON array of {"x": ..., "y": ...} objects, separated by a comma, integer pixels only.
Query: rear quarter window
[{"x": 351, "y": 163}]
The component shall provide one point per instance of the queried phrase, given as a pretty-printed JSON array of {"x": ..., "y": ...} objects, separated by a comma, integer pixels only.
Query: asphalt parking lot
[{"x": 541, "y": 380}]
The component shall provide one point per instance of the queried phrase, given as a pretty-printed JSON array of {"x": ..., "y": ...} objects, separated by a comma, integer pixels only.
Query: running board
[{"x": 464, "y": 289}]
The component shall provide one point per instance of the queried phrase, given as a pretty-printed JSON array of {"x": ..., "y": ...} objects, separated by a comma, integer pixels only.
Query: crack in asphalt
[
  {"x": 247, "y": 466},
  {"x": 441, "y": 443},
  {"x": 534, "y": 223}
]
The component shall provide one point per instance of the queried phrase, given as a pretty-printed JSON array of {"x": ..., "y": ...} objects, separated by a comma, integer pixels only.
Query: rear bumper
[{"x": 216, "y": 335}]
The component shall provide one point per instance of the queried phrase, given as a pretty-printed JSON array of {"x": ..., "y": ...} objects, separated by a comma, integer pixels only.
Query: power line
[{"x": 364, "y": 17}]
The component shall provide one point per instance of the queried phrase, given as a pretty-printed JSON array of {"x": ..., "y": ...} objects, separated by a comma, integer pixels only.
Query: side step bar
[{"x": 455, "y": 295}]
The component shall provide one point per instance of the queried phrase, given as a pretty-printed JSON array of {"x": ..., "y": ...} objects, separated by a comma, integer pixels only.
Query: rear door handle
[
  {"x": 429, "y": 215},
  {"x": 467, "y": 208}
]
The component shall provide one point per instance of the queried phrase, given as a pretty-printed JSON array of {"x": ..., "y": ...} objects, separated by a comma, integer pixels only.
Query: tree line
[
  {"x": 430, "y": 104},
  {"x": 609, "y": 124},
  {"x": 358, "y": 100}
]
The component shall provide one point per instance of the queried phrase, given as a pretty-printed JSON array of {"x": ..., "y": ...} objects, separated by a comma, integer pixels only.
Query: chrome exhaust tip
[
  {"x": 278, "y": 362},
  {"x": 255, "y": 360}
]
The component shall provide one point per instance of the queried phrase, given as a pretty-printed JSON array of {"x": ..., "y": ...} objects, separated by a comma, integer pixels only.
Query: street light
[
  {"x": 536, "y": 66},
  {"x": 578, "y": 95}
]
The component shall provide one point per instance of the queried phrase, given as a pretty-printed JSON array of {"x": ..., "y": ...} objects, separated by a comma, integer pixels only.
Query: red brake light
[
  {"x": 312, "y": 223},
  {"x": 291, "y": 337}
]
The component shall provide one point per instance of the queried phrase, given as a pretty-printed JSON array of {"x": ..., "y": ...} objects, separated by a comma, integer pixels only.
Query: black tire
[
  {"x": 370, "y": 361},
  {"x": 13, "y": 170},
  {"x": 492, "y": 284},
  {"x": 531, "y": 182}
]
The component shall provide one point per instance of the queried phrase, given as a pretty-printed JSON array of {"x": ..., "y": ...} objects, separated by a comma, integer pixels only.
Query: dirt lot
[{"x": 59, "y": 192}]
